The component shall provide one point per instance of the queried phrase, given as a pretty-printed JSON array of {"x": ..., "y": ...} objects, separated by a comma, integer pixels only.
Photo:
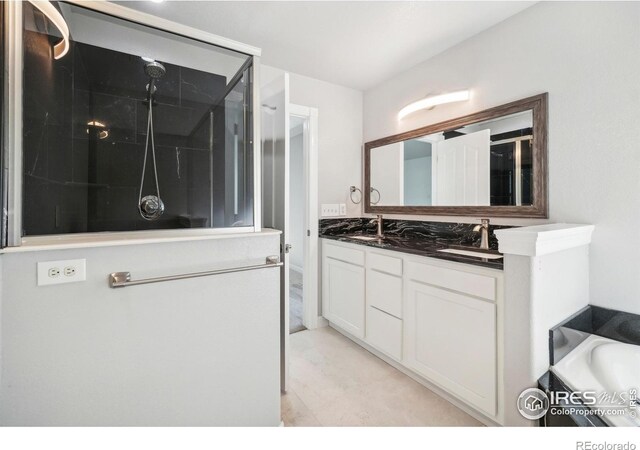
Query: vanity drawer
[
  {"x": 385, "y": 263},
  {"x": 384, "y": 332},
  {"x": 482, "y": 286},
  {"x": 384, "y": 292},
  {"x": 345, "y": 254}
]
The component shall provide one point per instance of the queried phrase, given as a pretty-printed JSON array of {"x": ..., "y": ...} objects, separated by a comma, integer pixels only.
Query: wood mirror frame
[{"x": 539, "y": 209}]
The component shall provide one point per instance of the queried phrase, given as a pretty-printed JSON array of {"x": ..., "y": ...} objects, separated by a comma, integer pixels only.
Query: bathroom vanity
[
  {"x": 454, "y": 322},
  {"x": 436, "y": 316}
]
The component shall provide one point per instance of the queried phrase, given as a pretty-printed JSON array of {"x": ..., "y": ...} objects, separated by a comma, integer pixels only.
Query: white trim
[
  {"x": 13, "y": 121},
  {"x": 166, "y": 25},
  {"x": 543, "y": 239},
  {"x": 113, "y": 239},
  {"x": 310, "y": 251},
  {"x": 256, "y": 108}
]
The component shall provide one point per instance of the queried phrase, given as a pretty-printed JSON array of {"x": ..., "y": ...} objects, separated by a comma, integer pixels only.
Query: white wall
[
  {"x": 586, "y": 56},
  {"x": 340, "y": 134},
  {"x": 198, "y": 352},
  {"x": 296, "y": 201}
]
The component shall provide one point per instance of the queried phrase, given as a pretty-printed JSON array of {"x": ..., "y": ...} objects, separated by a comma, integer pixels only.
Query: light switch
[{"x": 330, "y": 210}]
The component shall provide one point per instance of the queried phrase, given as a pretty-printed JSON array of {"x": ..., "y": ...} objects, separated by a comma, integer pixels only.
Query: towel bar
[{"x": 123, "y": 279}]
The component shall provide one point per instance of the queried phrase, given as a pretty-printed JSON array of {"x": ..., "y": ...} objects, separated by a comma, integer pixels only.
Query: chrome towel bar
[{"x": 123, "y": 279}]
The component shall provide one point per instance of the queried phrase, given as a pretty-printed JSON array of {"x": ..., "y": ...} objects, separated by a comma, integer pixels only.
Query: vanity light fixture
[
  {"x": 433, "y": 101},
  {"x": 61, "y": 48}
]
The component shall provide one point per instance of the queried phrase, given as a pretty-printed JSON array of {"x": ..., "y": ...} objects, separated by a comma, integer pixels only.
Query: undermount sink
[
  {"x": 363, "y": 238},
  {"x": 605, "y": 366},
  {"x": 475, "y": 254}
]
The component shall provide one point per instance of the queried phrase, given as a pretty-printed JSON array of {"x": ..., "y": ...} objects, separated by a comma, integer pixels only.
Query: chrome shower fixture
[
  {"x": 151, "y": 207},
  {"x": 154, "y": 70}
]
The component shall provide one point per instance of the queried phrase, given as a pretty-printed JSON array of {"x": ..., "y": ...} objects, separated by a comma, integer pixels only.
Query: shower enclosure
[{"x": 133, "y": 128}]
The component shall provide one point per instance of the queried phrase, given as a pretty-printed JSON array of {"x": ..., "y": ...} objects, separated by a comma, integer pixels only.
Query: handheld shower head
[{"x": 154, "y": 70}]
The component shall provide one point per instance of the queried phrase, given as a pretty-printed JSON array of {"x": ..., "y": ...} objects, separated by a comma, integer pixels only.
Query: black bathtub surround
[
  {"x": 413, "y": 236},
  {"x": 574, "y": 415},
  {"x": 566, "y": 336},
  {"x": 609, "y": 323}
]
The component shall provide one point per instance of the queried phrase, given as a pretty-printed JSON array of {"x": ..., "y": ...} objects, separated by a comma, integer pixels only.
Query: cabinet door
[
  {"x": 384, "y": 292},
  {"x": 451, "y": 340},
  {"x": 384, "y": 332},
  {"x": 343, "y": 300}
]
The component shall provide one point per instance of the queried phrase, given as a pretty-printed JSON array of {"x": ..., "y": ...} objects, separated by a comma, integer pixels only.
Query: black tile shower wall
[
  {"x": 76, "y": 182},
  {"x": 444, "y": 233}
]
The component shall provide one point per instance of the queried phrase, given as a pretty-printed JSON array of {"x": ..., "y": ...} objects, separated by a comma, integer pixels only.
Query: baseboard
[
  {"x": 322, "y": 322},
  {"x": 423, "y": 381}
]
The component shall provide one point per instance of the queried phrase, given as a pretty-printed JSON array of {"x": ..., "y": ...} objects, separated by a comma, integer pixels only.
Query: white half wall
[
  {"x": 585, "y": 54},
  {"x": 194, "y": 352},
  {"x": 340, "y": 134}
]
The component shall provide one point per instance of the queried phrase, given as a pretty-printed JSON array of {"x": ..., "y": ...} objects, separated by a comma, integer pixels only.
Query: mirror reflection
[{"x": 486, "y": 163}]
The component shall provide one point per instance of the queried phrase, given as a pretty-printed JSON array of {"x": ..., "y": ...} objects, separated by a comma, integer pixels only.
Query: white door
[
  {"x": 462, "y": 170},
  {"x": 275, "y": 193}
]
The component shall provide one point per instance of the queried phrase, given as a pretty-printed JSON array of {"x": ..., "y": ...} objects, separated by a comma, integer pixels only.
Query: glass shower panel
[{"x": 127, "y": 101}]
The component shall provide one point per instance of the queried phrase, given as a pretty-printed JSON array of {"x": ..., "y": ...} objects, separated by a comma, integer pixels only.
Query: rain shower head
[{"x": 154, "y": 70}]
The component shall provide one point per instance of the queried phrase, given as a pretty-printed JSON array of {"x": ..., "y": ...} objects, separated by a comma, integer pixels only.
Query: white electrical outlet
[
  {"x": 59, "y": 272},
  {"x": 330, "y": 210},
  {"x": 343, "y": 209}
]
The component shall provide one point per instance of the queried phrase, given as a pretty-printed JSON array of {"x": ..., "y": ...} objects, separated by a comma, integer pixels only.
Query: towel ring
[
  {"x": 352, "y": 190},
  {"x": 372, "y": 190}
]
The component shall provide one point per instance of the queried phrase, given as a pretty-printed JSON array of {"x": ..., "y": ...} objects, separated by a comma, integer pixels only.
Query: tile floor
[{"x": 335, "y": 382}]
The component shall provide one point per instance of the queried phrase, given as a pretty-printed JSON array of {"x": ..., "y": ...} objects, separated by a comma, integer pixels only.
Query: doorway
[
  {"x": 303, "y": 218},
  {"x": 277, "y": 115}
]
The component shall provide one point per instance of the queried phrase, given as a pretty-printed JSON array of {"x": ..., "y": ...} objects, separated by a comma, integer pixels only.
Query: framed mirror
[{"x": 491, "y": 164}]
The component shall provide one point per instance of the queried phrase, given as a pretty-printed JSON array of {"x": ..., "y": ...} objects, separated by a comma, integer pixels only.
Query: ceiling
[{"x": 355, "y": 44}]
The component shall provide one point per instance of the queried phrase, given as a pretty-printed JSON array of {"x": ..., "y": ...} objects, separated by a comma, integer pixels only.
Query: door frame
[{"x": 310, "y": 316}]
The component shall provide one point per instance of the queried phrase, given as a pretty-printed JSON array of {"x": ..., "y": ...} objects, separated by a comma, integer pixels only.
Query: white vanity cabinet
[
  {"x": 343, "y": 287},
  {"x": 451, "y": 336},
  {"x": 384, "y": 288},
  {"x": 436, "y": 318}
]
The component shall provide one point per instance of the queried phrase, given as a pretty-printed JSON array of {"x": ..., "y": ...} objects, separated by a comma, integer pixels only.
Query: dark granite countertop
[{"x": 416, "y": 246}]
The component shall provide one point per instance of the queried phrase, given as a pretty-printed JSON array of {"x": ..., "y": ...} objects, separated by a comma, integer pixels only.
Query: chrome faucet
[
  {"x": 380, "y": 234},
  {"x": 484, "y": 233}
]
